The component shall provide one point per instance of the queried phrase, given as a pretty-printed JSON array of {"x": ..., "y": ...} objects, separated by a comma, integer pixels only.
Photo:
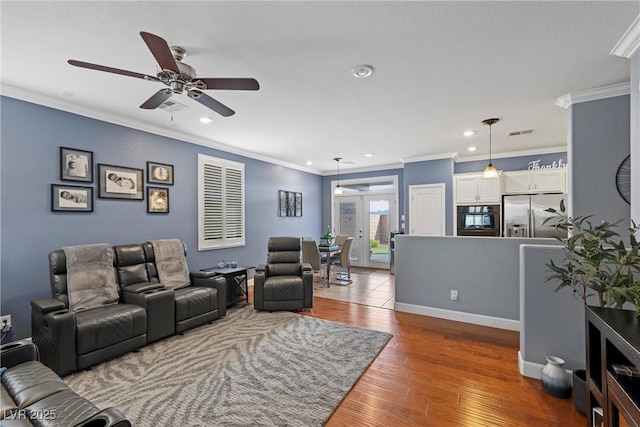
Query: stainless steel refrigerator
[{"x": 524, "y": 215}]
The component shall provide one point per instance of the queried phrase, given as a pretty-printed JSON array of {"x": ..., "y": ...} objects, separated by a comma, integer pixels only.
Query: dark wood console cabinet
[{"x": 612, "y": 337}]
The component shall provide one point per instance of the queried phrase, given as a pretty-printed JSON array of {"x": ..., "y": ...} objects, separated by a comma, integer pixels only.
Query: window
[{"x": 220, "y": 203}]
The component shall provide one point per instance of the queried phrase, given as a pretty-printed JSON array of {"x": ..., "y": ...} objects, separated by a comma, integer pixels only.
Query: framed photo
[
  {"x": 291, "y": 204},
  {"x": 71, "y": 198},
  {"x": 298, "y": 204},
  {"x": 119, "y": 182},
  {"x": 159, "y": 173},
  {"x": 157, "y": 200},
  {"x": 76, "y": 165},
  {"x": 284, "y": 199}
]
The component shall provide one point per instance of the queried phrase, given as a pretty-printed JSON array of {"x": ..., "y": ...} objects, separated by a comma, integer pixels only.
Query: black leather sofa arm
[
  {"x": 18, "y": 352},
  {"x": 217, "y": 282},
  {"x": 109, "y": 417},
  {"x": 261, "y": 267},
  {"x": 202, "y": 274},
  {"x": 306, "y": 266},
  {"x": 47, "y": 305},
  {"x": 159, "y": 303},
  {"x": 55, "y": 335}
]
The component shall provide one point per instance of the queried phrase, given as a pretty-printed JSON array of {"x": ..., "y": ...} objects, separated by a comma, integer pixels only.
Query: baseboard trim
[
  {"x": 459, "y": 316},
  {"x": 529, "y": 369}
]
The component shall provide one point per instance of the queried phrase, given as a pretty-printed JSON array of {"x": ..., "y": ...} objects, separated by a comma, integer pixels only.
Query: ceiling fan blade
[
  {"x": 157, "y": 99},
  {"x": 110, "y": 70},
  {"x": 211, "y": 103},
  {"x": 230, "y": 84},
  {"x": 160, "y": 50}
]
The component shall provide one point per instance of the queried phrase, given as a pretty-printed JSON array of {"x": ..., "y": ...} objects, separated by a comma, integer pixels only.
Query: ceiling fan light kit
[{"x": 178, "y": 77}]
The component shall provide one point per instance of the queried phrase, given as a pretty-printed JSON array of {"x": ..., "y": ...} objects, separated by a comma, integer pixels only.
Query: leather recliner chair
[
  {"x": 71, "y": 340},
  {"x": 170, "y": 311},
  {"x": 284, "y": 283}
]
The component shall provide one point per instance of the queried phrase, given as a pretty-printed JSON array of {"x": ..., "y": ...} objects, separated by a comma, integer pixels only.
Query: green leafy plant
[
  {"x": 373, "y": 243},
  {"x": 327, "y": 234},
  {"x": 598, "y": 261}
]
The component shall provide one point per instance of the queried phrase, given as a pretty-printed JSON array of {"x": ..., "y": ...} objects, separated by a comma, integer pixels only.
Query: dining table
[{"x": 330, "y": 250}]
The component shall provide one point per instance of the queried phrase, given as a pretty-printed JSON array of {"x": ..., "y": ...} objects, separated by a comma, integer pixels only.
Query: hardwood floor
[{"x": 437, "y": 372}]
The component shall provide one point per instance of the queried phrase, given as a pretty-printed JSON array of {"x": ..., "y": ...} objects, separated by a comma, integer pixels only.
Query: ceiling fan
[{"x": 178, "y": 76}]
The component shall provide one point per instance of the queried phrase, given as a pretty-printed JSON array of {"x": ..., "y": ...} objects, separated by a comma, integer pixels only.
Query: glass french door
[{"x": 368, "y": 219}]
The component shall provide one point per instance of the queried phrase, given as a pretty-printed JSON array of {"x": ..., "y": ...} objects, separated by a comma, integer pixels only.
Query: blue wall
[
  {"x": 31, "y": 136},
  {"x": 600, "y": 141},
  {"x": 511, "y": 163}
]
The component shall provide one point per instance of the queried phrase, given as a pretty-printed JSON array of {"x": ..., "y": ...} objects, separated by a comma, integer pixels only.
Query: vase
[
  {"x": 580, "y": 390},
  {"x": 555, "y": 379}
]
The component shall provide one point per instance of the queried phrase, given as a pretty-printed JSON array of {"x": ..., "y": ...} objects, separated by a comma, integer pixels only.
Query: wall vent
[
  {"x": 171, "y": 106},
  {"x": 521, "y": 132}
]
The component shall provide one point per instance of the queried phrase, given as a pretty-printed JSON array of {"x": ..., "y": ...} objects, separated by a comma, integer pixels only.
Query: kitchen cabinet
[
  {"x": 472, "y": 189},
  {"x": 536, "y": 181}
]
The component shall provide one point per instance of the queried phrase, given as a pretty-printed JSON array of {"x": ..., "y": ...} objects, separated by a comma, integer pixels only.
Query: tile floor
[{"x": 375, "y": 288}]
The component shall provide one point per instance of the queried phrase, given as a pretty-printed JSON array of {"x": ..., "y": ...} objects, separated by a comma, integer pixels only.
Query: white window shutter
[{"x": 220, "y": 203}]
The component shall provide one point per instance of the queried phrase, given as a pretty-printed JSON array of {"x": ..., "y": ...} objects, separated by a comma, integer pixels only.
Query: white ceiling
[{"x": 440, "y": 68}]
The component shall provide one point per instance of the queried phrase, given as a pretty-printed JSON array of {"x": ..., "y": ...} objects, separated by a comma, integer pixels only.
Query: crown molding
[
  {"x": 519, "y": 153},
  {"x": 630, "y": 41},
  {"x": 346, "y": 171},
  {"x": 440, "y": 156},
  {"x": 48, "y": 101},
  {"x": 593, "y": 94}
]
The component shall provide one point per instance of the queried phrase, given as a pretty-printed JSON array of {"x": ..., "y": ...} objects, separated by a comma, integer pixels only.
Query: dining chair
[
  {"x": 311, "y": 254},
  {"x": 343, "y": 262},
  {"x": 339, "y": 240}
]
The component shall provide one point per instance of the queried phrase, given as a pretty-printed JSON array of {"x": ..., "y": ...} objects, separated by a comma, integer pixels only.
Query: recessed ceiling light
[
  {"x": 309, "y": 162},
  {"x": 471, "y": 148},
  {"x": 205, "y": 120},
  {"x": 369, "y": 155},
  {"x": 469, "y": 132},
  {"x": 362, "y": 71}
]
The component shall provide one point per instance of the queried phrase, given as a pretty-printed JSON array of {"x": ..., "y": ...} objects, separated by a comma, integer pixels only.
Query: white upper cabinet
[
  {"x": 538, "y": 181},
  {"x": 471, "y": 189}
]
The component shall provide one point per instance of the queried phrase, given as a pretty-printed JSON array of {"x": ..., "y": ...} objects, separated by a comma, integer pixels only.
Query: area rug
[{"x": 248, "y": 369}]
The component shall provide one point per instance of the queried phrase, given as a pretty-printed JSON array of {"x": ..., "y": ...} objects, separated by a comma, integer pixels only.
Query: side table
[{"x": 237, "y": 287}]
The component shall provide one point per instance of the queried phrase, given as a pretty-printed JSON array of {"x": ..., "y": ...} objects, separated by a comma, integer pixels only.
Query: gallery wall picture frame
[
  {"x": 283, "y": 199},
  {"x": 71, "y": 198},
  {"x": 291, "y": 203},
  {"x": 298, "y": 211},
  {"x": 157, "y": 200},
  {"x": 76, "y": 165},
  {"x": 159, "y": 173},
  {"x": 120, "y": 182}
]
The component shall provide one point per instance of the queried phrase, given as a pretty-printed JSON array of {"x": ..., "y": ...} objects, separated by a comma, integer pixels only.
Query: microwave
[{"x": 478, "y": 220}]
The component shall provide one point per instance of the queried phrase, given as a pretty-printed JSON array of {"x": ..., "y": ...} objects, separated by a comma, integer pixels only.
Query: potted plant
[
  {"x": 327, "y": 237},
  {"x": 601, "y": 266}
]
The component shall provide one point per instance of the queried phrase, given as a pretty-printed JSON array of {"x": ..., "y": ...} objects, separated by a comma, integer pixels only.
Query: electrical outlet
[
  {"x": 454, "y": 294},
  {"x": 5, "y": 322}
]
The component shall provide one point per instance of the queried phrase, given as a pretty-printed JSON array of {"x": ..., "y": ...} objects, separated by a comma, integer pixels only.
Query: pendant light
[
  {"x": 490, "y": 171},
  {"x": 338, "y": 189}
]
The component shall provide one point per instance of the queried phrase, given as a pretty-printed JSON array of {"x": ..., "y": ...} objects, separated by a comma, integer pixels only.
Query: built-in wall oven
[{"x": 478, "y": 220}]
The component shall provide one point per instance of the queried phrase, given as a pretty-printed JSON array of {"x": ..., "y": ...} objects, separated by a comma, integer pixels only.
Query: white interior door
[
  {"x": 426, "y": 210},
  {"x": 368, "y": 219}
]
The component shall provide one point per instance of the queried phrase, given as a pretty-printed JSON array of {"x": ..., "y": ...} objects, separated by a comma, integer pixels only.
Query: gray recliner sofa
[
  {"x": 33, "y": 395},
  {"x": 200, "y": 300},
  {"x": 284, "y": 283}
]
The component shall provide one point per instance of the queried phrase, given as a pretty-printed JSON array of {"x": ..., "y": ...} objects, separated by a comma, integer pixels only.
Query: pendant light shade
[
  {"x": 338, "y": 189},
  {"x": 490, "y": 171}
]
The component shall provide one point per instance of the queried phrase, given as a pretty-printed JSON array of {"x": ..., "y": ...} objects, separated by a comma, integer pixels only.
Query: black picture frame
[
  {"x": 282, "y": 205},
  {"x": 157, "y": 200},
  {"x": 291, "y": 203},
  {"x": 120, "y": 182},
  {"x": 298, "y": 204},
  {"x": 71, "y": 198},
  {"x": 76, "y": 165},
  {"x": 159, "y": 173}
]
